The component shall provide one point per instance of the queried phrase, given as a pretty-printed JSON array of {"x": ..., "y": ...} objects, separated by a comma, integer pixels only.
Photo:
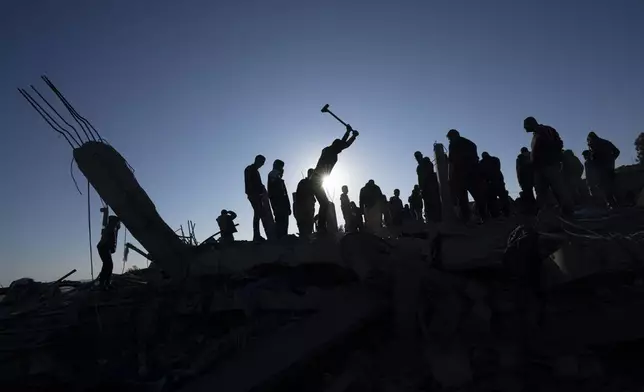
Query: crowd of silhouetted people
[{"x": 547, "y": 173}]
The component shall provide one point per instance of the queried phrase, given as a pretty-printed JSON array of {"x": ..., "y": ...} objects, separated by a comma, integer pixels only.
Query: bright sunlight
[{"x": 333, "y": 183}]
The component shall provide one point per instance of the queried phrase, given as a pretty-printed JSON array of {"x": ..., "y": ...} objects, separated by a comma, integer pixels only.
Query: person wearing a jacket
[
  {"x": 278, "y": 196},
  {"x": 464, "y": 175},
  {"x": 525, "y": 177},
  {"x": 106, "y": 247},
  {"x": 227, "y": 227},
  {"x": 304, "y": 205},
  {"x": 255, "y": 191}
]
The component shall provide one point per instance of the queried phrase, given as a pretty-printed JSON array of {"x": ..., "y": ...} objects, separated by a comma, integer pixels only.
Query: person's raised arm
[{"x": 233, "y": 215}]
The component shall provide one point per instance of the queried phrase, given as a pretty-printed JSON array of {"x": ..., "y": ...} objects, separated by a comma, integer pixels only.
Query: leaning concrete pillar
[
  {"x": 109, "y": 174},
  {"x": 442, "y": 172}
]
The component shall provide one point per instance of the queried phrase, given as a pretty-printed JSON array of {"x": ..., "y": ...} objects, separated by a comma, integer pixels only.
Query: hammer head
[{"x": 325, "y": 108}]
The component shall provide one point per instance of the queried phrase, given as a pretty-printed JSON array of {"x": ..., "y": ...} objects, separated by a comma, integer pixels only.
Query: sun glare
[{"x": 333, "y": 184}]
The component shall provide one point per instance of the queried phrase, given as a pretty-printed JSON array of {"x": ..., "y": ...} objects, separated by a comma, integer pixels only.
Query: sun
[{"x": 333, "y": 183}]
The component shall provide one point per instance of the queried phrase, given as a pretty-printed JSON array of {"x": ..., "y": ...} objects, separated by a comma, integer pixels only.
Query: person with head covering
[
  {"x": 255, "y": 192},
  {"x": 326, "y": 163},
  {"x": 370, "y": 203},
  {"x": 304, "y": 205},
  {"x": 525, "y": 177},
  {"x": 396, "y": 209},
  {"x": 604, "y": 154},
  {"x": 227, "y": 227},
  {"x": 464, "y": 175},
  {"x": 278, "y": 196},
  {"x": 546, "y": 156}
]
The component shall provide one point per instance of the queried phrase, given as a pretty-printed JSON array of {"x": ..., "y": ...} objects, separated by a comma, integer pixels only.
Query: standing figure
[
  {"x": 345, "y": 206},
  {"x": 255, "y": 192},
  {"x": 546, "y": 157},
  {"x": 357, "y": 224},
  {"x": 328, "y": 159},
  {"x": 464, "y": 175},
  {"x": 278, "y": 196},
  {"x": 396, "y": 209},
  {"x": 106, "y": 247},
  {"x": 573, "y": 169},
  {"x": 227, "y": 226},
  {"x": 305, "y": 205},
  {"x": 604, "y": 154},
  {"x": 592, "y": 180},
  {"x": 525, "y": 177},
  {"x": 370, "y": 203},
  {"x": 428, "y": 183},
  {"x": 497, "y": 195},
  {"x": 406, "y": 216},
  {"x": 415, "y": 201}
]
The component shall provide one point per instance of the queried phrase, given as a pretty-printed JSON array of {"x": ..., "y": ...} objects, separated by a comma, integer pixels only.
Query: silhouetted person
[
  {"x": 305, "y": 205},
  {"x": 227, "y": 227},
  {"x": 497, "y": 195},
  {"x": 255, "y": 191},
  {"x": 386, "y": 212},
  {"x": 106, "y": 246},
  {"x": 525, "y": 177},
  {"x": 279, "y": 198},
  {"x": 416, "y": 203},
  {"x": 429, "y": 190},
  {"x": 573, "y": 169},
  {"x": 546, "y": 156},
  {"x": 370, "y": 203},
  {"x": 396, "y": 208},
  {"x": 604, "y": 154},
  {"x": 345, "y": 206},
  {"x": 464, "y": 175},
  {"x": 328, "y": 159},
  {"x": 592, "y": 179}
]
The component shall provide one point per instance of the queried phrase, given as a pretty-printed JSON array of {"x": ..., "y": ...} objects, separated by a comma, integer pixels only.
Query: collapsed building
[{"x": 516, "y": 304}]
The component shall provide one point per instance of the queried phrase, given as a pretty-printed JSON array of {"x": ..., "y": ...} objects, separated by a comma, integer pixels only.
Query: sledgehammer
[{"x": 325, "y": 109}]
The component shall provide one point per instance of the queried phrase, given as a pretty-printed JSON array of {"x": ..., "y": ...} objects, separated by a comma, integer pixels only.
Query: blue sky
[{"x": 190, "y": 91}]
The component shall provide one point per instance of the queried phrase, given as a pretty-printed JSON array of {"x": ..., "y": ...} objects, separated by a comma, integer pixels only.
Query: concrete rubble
[{"x": 350, "y": 314}]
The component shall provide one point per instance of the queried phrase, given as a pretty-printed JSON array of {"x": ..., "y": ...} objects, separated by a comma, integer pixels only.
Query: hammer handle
[{"x": 337, "y": 118}]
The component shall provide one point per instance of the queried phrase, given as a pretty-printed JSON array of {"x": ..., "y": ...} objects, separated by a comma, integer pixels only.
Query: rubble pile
[{"x": 550, "y": 309}]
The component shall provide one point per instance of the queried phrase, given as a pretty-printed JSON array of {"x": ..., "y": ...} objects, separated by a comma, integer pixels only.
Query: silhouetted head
[
  {"x": 371, "y": 182},
  {"x": 416, "y": 187},
  {"x": 568, "y": 153},
  {"x": 524, "y": 150},
  {"x": 337, "y": 144},
  {"x": 406, "y": 206},
  {"x": 418, "y": 155},
  {"x": 309, "y": 173},
  {"x": 592, "y": 136},
  {"x": 586, "y": 154},
  {"x": 353, "y": 204},
  {"x": 452, "y": 134},
  {"x": 396, "y": 192},
  {"x": 530, "y": 124},
  {"x": 224, "y": 212},
  {"x": 345, "y": 189},
  {"x": 485, "y": 155},
  {"x": 278, "y": 164},
  {"x": 259, "y": 161},
  {"x": 113, "y": 221}
]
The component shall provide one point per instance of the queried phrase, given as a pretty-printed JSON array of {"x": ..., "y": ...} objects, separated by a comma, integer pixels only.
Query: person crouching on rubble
[
  {"x": 106, "y": 246},
  {"x": 227, "y": 226}
]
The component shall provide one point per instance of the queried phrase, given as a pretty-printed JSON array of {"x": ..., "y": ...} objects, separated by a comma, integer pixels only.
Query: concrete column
[
  {"x": 442, "y": 172},
  {"x": 110, "y": 176}
]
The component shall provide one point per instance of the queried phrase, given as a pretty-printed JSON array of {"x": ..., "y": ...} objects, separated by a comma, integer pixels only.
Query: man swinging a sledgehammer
[{"x": 328, "y": 159}]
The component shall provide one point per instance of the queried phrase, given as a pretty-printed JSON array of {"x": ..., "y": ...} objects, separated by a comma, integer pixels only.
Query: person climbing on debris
[
  {"x": 415, "y": 201},
  {"x": 227, "y": 227},
  {"x": 328, "y": 159},
  {"x": 573, "y": 169},
  {"x": 604, "y": 154},
  {"x": 106, "y": 247},
  {"x": 370, "y": 204},
  {"x": 525, "y": 177},
  {"x": 278, "y": 196},
  {"x": 428, "y": 183},
  {"x": 497, "y": 195},
  {"x": 305, "y": 205},
  {"x": 255, "y": 191},
  {"x": 464, "y": 175},
  {"x": 546, "y": 157},
  {"x": 396, "y": 209}
]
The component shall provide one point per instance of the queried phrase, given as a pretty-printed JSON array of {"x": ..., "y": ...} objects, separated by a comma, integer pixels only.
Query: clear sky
[{"x": 190, "y": 91}]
